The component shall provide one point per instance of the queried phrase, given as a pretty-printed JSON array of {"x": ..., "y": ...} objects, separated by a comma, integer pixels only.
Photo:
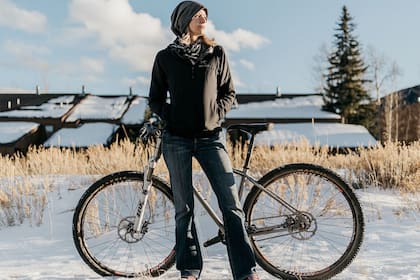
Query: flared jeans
[{"x": 212, "y": 156}]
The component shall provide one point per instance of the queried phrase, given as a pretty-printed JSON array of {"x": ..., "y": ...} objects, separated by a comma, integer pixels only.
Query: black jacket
[{"x": 199, "y": 95}]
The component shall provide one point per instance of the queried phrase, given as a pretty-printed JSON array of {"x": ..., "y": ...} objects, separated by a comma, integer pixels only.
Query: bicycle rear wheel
[
  {"x": 102, "y": 221},
  {"x": 319, "y": 240}
]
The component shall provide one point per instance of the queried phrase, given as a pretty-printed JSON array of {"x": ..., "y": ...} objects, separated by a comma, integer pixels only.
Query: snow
[
  {"x": 307, "y": 107},
  {"x": 96, "y": 107},
  {"x": 330, "y": 134},
  {"x": 53, "y": 108},
  {"x": 135, "y": 113},
  {"x": 391, "y": 249},
  {"x": 86, "y": 135},
  {"x": 12, "y": 131}
]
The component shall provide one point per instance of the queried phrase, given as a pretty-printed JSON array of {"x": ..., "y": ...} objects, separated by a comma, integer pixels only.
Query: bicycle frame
[
  {"x": 148, "y": 171},
  {"x": 212, "y": 213}
]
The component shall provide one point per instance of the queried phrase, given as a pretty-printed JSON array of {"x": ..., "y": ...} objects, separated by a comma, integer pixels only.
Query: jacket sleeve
[
  {"x": 226, "y": 90},
  {"x": 158, "y": 88}
]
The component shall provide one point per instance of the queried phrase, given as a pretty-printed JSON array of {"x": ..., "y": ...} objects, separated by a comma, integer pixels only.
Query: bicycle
[{"x": 303, "y": 220}]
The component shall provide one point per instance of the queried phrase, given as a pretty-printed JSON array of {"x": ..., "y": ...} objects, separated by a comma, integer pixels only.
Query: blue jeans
[{"x": 211, "y": 153}]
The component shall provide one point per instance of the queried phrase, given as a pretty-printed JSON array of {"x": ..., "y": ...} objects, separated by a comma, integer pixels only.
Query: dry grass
[
  {"x": 20, "y": 201},
  {"x": 392, "y": 165},
  {"x": 92, "y": 161}
]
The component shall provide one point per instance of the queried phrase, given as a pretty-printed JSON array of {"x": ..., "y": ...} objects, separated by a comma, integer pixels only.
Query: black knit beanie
[{"x": 182, "y": 15}]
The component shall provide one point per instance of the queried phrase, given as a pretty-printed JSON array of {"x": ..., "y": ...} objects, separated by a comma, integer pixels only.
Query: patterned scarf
[{"x": 192, "y": 53}]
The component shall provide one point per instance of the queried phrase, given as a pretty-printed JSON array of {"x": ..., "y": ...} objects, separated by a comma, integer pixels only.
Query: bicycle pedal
[{"x": 212, "y": 241}]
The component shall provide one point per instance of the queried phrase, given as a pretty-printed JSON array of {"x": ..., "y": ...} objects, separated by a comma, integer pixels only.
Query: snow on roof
[
  {"x": 84, "y": 136},
  {"x": 135, "y": 113},
  {"x": 283, "y": 108},
  {"x": 99, "y": 108},
  {"x": 331, "y": 134},
  {"x": 12, "y": 131},
  {"x": 53, "y": 108}
]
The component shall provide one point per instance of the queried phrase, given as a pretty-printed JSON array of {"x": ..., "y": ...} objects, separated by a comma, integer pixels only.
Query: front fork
[{"x": 147, "y": 185}]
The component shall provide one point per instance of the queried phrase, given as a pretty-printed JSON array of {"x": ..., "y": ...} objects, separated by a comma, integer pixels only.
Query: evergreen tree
[{"x": 345, "y": 93}]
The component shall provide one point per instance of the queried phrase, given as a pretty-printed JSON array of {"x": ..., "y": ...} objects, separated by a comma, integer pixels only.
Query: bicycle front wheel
[
  {"x": 103, "y": 223},
  {"x": 316, "y": 234}
]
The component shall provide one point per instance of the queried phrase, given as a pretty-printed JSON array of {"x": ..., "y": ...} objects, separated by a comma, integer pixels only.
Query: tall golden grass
[{"x": 392, "y": 165}]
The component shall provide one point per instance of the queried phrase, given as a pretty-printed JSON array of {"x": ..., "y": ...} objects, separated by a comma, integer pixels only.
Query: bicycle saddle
[{"x": 252, "y": 128}]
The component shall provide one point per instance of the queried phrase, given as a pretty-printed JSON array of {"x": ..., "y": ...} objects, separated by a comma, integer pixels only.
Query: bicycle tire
[
  {"x": 100, "y": 221},
  {"x": 317, "y": 250}
]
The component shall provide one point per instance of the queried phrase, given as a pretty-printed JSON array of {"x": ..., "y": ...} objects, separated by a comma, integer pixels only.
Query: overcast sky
[{"x": 109, "y": 45}]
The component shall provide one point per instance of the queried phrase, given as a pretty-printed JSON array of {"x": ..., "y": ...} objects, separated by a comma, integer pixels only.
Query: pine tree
[{"x": 345, "y": 92}]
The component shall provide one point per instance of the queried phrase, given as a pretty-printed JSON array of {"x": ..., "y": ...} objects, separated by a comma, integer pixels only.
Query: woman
[{"x": 195, "y": 72}]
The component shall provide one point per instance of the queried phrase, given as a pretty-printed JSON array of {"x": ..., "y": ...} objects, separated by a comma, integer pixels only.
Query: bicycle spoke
[
  {"x": 315, "y": 239},
  {"x": 106, "y": 219}
]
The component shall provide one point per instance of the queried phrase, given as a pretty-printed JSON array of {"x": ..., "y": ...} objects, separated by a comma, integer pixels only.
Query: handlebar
[{"x": 152, "y": 128}]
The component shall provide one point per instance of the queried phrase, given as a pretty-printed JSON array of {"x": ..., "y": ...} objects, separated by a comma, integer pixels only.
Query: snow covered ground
[{"x": 28, "y": 252}]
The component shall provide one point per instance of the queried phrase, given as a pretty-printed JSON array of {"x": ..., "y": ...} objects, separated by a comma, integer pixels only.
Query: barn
[{"x": 80, "y": 120}]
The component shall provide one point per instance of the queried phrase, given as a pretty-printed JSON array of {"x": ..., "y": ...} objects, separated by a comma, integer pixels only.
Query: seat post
[
  {"x": 245, "y": 167},
  {"x": 249, "y": 152}
]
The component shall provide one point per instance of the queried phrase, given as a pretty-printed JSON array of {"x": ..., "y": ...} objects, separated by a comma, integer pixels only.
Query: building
[
  {"x": 80, "y": 120},
  {"x": 296, "y": 118},
  {"x": 66, "y": 120}
]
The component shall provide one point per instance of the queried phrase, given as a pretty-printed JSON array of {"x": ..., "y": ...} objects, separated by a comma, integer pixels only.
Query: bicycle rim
[
  {"x": 100, "y": 227},
  {"x": 317, "y": 243}
]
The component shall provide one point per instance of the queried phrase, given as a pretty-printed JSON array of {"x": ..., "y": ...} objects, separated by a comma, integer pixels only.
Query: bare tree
[
  {"x": 319, "y": 68},
  {"x": 383, "y": 73}
]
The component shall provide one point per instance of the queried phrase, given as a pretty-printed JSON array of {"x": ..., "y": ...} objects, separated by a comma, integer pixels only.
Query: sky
[{"x": 108, "y": 46}]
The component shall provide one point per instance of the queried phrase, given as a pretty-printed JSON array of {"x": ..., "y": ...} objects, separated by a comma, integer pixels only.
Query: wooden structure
[
  {"x": 32, "y": 134},
  {"x": 53, "y": 112},
  {"x": 57, "y": 114},
  {"x": 399, "y": 115}
]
